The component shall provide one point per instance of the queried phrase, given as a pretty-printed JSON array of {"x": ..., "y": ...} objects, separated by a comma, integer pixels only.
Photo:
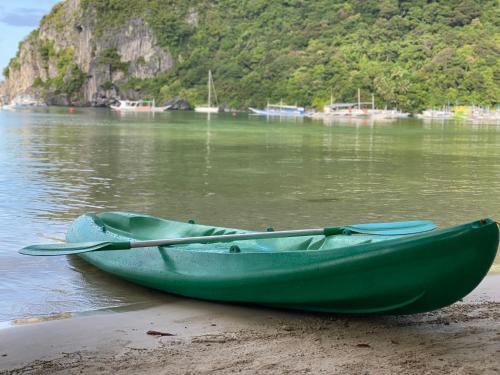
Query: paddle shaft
[
  {"x": 387, "y": 229},
  {"x": 236, "y": 237}
]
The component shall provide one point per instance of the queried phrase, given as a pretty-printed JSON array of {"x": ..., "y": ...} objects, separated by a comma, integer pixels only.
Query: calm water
[{"x": 242, "y": 172}]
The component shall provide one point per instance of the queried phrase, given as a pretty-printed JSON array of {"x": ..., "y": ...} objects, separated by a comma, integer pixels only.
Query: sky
[{"x": 17, "y": 19}]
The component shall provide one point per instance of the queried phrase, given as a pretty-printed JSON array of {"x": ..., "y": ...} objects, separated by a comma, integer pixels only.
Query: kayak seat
[
  {"x": 308, "y": 243},
  {"x": 144, "y": 227}
]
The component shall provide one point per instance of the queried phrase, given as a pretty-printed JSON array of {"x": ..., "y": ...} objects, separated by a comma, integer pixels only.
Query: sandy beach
[{"x": 203, "y": 337}]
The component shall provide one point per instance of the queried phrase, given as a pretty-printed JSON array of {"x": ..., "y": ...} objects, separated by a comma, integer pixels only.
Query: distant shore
[{"x": 203, "y": 337}]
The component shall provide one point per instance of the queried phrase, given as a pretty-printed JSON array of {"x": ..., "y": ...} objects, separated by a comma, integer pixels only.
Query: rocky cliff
[{"x": 66, "y": 62}]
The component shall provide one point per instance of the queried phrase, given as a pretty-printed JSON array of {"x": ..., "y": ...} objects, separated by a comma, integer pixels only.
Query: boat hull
[
  {"x": 400, "y": 275},
  {"x": 138, "y": 110},
  {"x": 20, "y": 107},
  {"x": 264, "y": 112},
  {"x": 206, "y": 109}
]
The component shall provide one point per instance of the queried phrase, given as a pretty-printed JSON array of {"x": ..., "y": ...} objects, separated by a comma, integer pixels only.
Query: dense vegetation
[{"x": 410, "y": 54}]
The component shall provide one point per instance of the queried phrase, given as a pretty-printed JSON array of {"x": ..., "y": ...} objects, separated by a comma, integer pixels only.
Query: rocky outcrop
[
  {"x": 67, "y": 62},
  {"x": 177, "y": 104}
]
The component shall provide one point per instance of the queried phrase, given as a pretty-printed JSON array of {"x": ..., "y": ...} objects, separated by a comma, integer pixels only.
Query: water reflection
[{"x": 242, "y": 171}]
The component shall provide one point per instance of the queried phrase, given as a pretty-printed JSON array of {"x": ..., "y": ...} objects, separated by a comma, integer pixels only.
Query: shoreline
[{"x": 206, "y": 336}]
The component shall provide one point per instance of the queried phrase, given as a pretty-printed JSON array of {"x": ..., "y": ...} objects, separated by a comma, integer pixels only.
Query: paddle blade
[
  {"x": 72, "y": 248},
  {"x": 393, "y": 229}
]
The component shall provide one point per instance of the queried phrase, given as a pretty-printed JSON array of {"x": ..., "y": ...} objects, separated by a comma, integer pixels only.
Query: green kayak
[{"x": 342, "y": 273}]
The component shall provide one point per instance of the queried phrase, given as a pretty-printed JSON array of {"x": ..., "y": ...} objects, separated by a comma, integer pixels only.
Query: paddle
[{"x": 387, "y": 229}]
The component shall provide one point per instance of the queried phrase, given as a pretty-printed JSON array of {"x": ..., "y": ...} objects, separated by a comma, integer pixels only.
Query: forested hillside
[{"x": 410, "y": 54}]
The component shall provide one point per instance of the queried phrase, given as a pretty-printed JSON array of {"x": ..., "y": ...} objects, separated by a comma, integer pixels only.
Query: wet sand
[{"x": 206, "y": 337}]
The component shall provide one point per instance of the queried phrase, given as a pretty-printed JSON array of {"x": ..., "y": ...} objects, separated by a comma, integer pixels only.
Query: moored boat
[
  {"x": 24, "y": 102},
  {"x": 439, "y": 114},
  {"x": 137, "y": 106},
  {"x": 279, "y": 110},
  {"x": 339, "y": 273},
  {"x": 356, "y": 110},
  {"x": 209, "y": 108}
]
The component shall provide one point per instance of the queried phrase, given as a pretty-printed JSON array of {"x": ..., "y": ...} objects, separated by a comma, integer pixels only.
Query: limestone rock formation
[{"x": 67, "y": 62}]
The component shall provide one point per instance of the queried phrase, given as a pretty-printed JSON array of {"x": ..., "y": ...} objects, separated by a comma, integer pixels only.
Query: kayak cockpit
[{"x": 143, "y": 227}]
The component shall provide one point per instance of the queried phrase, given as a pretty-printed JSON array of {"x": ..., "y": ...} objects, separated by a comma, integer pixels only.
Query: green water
[{"x": 242, "y": 171}]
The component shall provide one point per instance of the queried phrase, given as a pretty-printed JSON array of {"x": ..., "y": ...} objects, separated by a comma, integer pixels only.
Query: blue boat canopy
[{"x": 345, "y": 105}]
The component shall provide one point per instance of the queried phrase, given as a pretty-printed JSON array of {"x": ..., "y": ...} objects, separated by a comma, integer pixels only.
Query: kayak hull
[{"x": 341, "y": 274}]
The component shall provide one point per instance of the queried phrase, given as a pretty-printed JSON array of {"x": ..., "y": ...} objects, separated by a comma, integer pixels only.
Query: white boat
[
  {"x": 207, "y": 108},
  {"x": 351, "y": 109},
  {"x": 391, "y": 114},
  {"x": 436, "y": 114},
  {"x": 279, "y": 110},
  {"x": 359, "y": 110},
  {"x": 138, "y": 106},
  {"x": 341, "y": 109},
  {"x": 23, "y": 102}
]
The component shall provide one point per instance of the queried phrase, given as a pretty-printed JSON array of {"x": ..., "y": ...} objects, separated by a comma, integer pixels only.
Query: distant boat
[
  {"x": 485, "y": 116},
  {"x": 279, "y": 110},
  {"x": 23, "y": 102},
  {"x": 443, "y": 114},
  {"x": 138, "y": 106},
  {"x": 356, "y": 110},
  {"x": 351, "y": 109},
  {"x": 207, "y": 108},
  {"x": 391, "y": 114},
  {"x": 477, "y": 114},
  {"x": 344, "y": 110}
]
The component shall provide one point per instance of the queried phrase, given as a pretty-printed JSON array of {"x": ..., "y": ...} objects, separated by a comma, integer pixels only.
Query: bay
[{"x": 237, "y": 171}]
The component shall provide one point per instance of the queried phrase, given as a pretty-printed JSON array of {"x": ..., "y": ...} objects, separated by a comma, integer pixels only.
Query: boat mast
[
  {"x": 359, "y": 98},
  {"x": 209, "y": 88}
]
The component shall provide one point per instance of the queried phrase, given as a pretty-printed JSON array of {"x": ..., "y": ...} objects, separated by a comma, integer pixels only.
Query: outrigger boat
[
  {"x": 138, "y": 106},
  {"x": 279, "y": 110},
  {"x": 356, "y": 110},
  {"x": 395, "y": 268},
  {"x": 439, "y": 114}
]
